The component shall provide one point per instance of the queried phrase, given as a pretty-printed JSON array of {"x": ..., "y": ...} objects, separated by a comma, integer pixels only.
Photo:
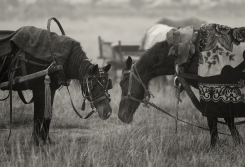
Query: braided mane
[{"x": 77, "y": 63}]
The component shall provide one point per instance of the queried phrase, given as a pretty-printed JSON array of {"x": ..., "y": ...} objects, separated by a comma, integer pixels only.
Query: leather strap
[
  {"x": 23, "y": 98},
  {"x": 190, "y": 93},
  {"x": 48, "y": 34},
  {"x": 5, "y": 57},
  {"x": 188, "y": 76},
  {"x": 3, "y": 63},
  {"x": 14, "y": 62},
  {"x": 89, "y": 114},
  {"x": 165, "y": 112},
  {"x": 32, "y": 62},
  {"x": 23, "y": 69}
]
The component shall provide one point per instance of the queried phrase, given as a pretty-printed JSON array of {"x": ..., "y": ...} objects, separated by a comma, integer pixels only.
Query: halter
[
  {"x": 147, "y": 93},
  {"x": 87, "y": 83}
]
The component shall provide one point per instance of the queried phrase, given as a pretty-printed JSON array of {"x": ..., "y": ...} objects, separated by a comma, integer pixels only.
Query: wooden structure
[
  {"x": 116, "y": 55},
  {"x": 22, "y": 79}
]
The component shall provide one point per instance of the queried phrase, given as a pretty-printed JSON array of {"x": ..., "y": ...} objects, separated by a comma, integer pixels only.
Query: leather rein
[
  {"x": 87, "y": 93},
  {"x": 148, "y": 94},
  {"x": 99, "y": 97}
]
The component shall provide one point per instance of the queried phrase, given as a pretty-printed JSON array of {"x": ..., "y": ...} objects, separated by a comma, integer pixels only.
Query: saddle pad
[
  {"x": 5, "y": 46},
  {"x": 181, "y": 42},
  {"x": 35, "y": 41},
  {"x": 222, "y": 71}
]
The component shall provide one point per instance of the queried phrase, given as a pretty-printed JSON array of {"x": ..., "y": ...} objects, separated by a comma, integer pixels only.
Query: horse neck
[
  {"x": 76, "y": 68},
  {"x": 163, "y": 65}
]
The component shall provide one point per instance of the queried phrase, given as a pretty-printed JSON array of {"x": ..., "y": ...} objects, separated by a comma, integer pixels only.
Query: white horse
[{"x": 156, "y": 33}]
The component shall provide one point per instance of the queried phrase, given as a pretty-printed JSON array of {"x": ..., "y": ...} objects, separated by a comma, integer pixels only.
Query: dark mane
[
  {"x": 153, "y": 56},
  {"x": 77, "y": 63}
]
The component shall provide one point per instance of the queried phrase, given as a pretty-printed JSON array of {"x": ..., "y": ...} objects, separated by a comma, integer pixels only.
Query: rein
[
  {"x": 88, "y": 96},
  {"x": 148, "y": 95}
]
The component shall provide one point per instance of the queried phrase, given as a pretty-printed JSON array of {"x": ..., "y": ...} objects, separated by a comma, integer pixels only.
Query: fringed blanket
[
  {"x": 35, "y": 41},
  {"x": 222, "y": 71}
]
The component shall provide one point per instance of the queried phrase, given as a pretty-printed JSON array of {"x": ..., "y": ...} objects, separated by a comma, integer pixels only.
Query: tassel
[
  {"x": 83, "y": 106},
  {"x": 48, "y": 107}
]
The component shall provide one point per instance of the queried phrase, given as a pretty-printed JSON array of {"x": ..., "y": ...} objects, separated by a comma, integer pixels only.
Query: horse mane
[
  {"x": 153, "y": 56},
  {"x": 77, "y": 64}
]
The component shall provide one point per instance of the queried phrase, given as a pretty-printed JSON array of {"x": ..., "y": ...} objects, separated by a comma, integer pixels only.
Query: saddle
[
  {"x": 221, "y": 70},
  {"x": 34, "y": 41},
  {"x": 221, "y": 66}
]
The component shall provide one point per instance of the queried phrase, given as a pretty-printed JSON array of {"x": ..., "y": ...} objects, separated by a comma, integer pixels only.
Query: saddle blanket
[
  {"x": 221, "y": 69},
  {"x": 35, "y": 41}
]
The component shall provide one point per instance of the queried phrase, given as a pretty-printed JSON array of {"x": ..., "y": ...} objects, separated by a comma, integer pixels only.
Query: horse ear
[
  {"x": 107, "y": 67},
  {"x": 129, "y": 62},
  {"x": 93, "y": 69}
]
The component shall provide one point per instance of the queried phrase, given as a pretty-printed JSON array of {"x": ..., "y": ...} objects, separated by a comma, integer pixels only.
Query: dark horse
[
  {"x": 158, "y": 33},
  {"x": 153, "y": 63},
  {"x": 94, "y": 83}
]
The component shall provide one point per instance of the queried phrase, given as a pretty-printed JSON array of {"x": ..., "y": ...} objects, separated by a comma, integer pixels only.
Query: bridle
[
  {"x": 147, "y": 93},
  {"x": 87, "y": 85}
]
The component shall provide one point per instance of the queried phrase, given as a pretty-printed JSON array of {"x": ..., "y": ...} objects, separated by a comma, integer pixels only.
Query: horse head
[
  {"x": 130, "y": 87},
  {"x": 95, "y": 86},
  {"x": 135, "y": 78}
]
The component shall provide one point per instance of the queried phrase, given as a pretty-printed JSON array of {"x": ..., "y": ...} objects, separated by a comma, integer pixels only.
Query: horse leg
[
  {"x": 234, "y": 132},
  {"x": 212, "y": 124},
  {"x": 41, "y": 125}
]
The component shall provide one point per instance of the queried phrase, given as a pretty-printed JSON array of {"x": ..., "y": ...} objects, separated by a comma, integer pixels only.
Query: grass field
[{"x": 149, "y": 141}]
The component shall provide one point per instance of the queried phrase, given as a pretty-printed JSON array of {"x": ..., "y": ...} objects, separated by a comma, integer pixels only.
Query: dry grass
[{"x": 149, "y": 141}]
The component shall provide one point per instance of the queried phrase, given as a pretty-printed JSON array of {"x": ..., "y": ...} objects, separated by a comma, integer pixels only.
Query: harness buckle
[{"x": 176, "y": 82}]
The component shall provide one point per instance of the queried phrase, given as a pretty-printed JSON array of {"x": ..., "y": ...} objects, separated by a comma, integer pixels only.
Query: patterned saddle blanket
[
  {"x": 221, "y": 69},
  {"x": 221, "y": 66}
]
